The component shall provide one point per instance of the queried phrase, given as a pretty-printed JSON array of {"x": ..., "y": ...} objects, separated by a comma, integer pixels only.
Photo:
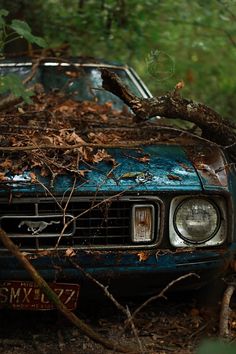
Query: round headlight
[{"x": 196, "y": 220}]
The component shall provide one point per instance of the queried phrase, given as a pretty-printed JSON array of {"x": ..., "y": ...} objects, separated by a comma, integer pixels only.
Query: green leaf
[
  {"x": 216, "y": 347},
  {"x": 13, "y": 84},
  {"x": 2, "y": 14},
  {"x": 24, "y": 30}
]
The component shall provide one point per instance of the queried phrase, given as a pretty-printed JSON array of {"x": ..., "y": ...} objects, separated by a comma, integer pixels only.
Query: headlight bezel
[{"x": 216, "y": 238}]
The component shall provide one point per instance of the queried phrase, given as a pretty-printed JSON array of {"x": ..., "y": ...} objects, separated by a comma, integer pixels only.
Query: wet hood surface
[{"x": 149, "y": 169}]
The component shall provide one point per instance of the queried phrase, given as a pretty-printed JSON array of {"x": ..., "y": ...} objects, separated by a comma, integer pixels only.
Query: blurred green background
[{"x": 164, "y": 40}]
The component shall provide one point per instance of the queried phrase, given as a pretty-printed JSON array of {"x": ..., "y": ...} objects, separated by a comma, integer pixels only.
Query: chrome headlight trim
[
  {"x": 191, "y": 238},
  {"x": 218, "y": 234}
]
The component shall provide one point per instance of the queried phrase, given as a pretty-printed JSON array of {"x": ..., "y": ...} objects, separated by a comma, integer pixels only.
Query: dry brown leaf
[
  {"x": 104, "y": 118},
  {"x": 7, "y": 164},
  {"x": 179, "y": 85},
  {"x": 44, "y": 172},
  {"x": 174, "y": 177},
  {"x": 142, "y": 256},
  {"x": 2, "y": 176},
  {"x": 67, "y": 107},
  {"x": 83, "y": 172},
  {"x": 70, "y": 137},
  {"x": 186, "y": 167},
  {"x": 70, "y": 252},
  {"x": 33, "y": 177},
  {"x": 102, "y": 138},
  {"x": 102, "y": 155},
  {"x": 144, "y": 159}
]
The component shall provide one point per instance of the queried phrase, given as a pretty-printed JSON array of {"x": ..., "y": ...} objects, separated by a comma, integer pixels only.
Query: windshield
[{"x": 82, "y": 83}]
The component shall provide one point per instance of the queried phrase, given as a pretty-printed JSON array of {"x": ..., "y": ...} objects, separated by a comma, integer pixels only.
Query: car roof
[{"x": 80, "y": 61}]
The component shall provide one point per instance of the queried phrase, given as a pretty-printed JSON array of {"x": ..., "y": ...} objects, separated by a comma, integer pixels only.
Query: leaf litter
[
  {"x": 56, "y": 134},
  {"x": 57, "y": 122}
]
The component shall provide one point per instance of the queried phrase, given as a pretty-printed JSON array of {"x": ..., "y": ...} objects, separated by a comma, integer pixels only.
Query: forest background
[{"x": 166, "y": 41}]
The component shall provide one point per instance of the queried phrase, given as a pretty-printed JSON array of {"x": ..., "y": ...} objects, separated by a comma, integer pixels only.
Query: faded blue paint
[
  {"x": 118, "y": 263},
  {"x": 169, "y": 169}
]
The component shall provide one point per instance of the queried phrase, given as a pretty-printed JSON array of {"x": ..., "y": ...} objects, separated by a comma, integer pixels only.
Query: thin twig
[
  {"x": 162, "y": 293},
  {"x": 87, "y": 210},
  {"x": 110, "y": 296}
]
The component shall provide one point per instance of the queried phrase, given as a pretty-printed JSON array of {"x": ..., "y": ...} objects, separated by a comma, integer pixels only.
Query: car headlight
[{"x": 197, "y": 221}]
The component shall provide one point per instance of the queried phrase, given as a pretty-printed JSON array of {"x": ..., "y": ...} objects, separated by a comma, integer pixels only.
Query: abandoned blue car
[{"x": 135, "y": 206}]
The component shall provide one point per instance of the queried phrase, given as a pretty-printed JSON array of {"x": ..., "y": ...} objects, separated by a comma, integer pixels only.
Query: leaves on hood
[
  {"x": 55, "y": 120},
  {"x": 63, "y": 133}
]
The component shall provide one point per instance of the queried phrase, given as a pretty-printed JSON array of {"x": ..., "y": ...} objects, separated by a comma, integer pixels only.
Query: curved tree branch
[{"x": 173, "y": 106}]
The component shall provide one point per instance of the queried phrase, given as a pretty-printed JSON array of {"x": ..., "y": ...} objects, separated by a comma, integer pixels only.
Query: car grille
[{"x": 99, "y": 223}]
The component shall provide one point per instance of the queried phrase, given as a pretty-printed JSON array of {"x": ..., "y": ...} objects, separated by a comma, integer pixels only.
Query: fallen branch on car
[{"x": 173, "y": 106}]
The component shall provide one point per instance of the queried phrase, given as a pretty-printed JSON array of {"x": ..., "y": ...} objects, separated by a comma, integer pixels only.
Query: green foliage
[
  {"x": 216, "y": 347},
  {"x": 23, "y": 29},
  {"x": 14, "y": 85},
  {"x": 165, "y": 41},
  {"x": 10, "y": 33},
  {"x": 3, "y": 13}
]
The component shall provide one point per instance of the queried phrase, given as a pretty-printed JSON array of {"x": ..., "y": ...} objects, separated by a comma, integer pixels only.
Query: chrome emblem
[{"x": 36, "y": 226}]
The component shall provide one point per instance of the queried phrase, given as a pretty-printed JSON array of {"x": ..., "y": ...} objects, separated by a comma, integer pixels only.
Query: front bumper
[{"x": 125, "y": 272}]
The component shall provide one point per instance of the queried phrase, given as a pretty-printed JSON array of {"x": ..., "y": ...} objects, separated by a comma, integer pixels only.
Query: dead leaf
[
  {"x": 44, "y": 172},
  {"x": 20, "y": 110},
  {"x": 2, "y": 176},
  {"x": 174, "y": 177},
  {"x": 144, "y": 159},
  {"x": 73, "y": 74},
  {"x": 102, "y": 155},
  {"x": 130, "y": 175},
  {"x": 70, "y": 252},
  {"x": 104, "y": 118},
  {"x": 102, "y": 138},
  {"x": 33, "y": 177},
  {"x": 6, "y": 164},
  {"x": 186, "y": 167},
  {"x": 179, "y": 85},
  {"x": 142, "y": 256},
  {"x": 83, "y": 172}
]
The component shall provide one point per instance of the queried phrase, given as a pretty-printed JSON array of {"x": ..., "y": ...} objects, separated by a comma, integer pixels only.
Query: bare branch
[
  {"x": 87, "y": 330},
  {"x": 162, "y": 293},
  {"x": 173, "y": 106}
]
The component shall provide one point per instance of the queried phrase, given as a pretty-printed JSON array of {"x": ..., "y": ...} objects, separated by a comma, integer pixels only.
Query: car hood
[{"x": 148, "y": 169}]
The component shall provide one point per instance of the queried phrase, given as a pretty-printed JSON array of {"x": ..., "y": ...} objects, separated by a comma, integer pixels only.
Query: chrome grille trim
[
  {"x": 29, "y": 225},
  {"x": 105, "y": 227}
]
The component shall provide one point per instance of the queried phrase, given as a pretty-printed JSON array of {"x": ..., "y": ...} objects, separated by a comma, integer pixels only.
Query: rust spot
[{"x": 209, "y": 162}]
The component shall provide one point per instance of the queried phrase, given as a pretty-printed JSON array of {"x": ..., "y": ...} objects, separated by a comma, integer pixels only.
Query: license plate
[{"x": 25, "y": 295}]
